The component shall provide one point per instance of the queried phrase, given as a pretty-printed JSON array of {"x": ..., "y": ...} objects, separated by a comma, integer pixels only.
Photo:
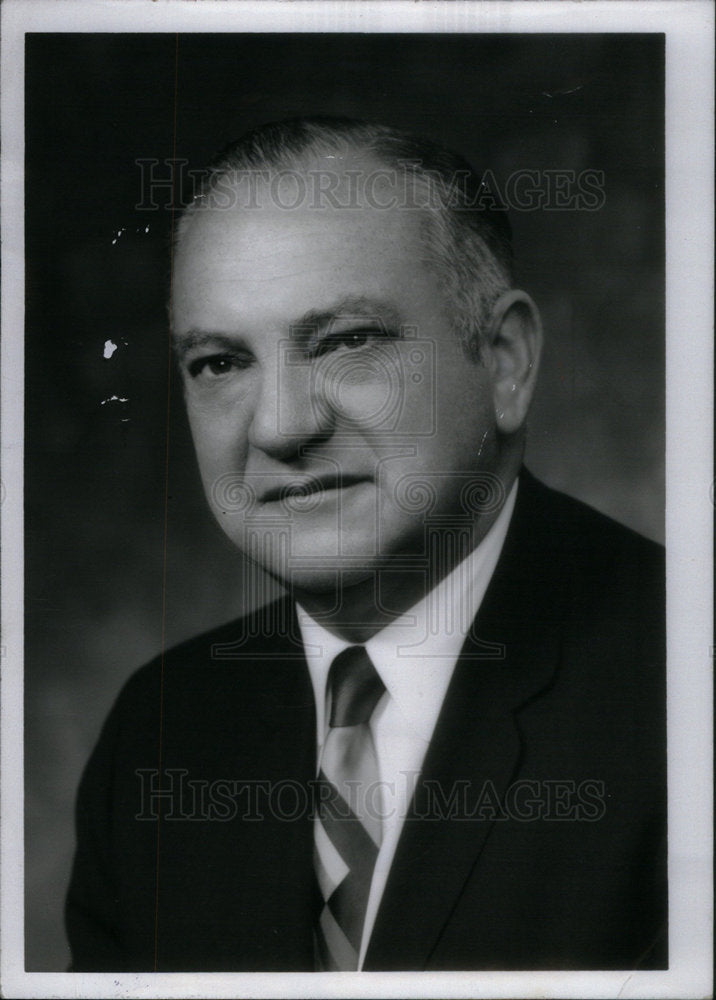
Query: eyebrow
[
  {"x": 182, "y": 344},
  {"x": 352, "y": 307},
  {"x": 315, "y": 321}
]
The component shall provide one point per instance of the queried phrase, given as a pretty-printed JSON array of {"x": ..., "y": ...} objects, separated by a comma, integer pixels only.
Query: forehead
[{"x": 256, "y": 255}]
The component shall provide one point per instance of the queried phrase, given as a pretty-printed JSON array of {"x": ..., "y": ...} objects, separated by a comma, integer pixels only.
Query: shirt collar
[{"x": 416, "y": 653}]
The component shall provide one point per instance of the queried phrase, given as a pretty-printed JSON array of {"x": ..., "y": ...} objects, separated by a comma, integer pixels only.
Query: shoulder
[
  {"x": 599, "y": 584},
  {"x": 218, "y": 696},
  {"x": 216, "y": 663},
  {"x": 565, "y": 512},
  {"x": 604, "y": 586},
  {"x": 584, "y": 544}
]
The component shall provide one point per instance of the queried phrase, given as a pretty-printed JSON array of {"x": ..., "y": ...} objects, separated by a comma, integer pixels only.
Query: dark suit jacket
[{"x": 537, "y": 833}]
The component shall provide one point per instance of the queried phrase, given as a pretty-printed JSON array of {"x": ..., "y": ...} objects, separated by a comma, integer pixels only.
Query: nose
[{"x": 290, "y": 413}]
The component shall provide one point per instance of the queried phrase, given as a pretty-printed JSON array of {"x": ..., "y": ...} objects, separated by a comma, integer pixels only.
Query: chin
[
  {"x": 312, "y": 559},
  {"x": 323, "y": 580}
]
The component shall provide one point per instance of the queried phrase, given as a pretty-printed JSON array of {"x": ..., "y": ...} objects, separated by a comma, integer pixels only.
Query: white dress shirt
[{"x": 415, "y": 656}]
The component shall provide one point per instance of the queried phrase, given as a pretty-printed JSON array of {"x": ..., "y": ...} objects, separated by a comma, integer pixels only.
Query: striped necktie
[{"x": 347, "y": 828}]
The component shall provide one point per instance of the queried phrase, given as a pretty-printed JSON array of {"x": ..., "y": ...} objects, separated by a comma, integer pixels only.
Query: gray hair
[{"x": 466, "y": 232}]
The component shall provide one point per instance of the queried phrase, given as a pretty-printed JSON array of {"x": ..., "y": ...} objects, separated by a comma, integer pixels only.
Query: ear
[{"x": 514, "y": 348}]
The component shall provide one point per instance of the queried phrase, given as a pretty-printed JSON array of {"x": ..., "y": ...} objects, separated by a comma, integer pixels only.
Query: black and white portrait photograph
[{"x": 357, "y": 499}]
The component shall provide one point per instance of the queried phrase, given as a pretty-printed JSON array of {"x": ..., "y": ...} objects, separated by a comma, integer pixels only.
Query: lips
[{"x": 297, "y": 489}]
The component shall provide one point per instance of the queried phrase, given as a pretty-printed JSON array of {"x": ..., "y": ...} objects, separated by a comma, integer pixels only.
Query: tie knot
[{"x": 355, "y": 687}]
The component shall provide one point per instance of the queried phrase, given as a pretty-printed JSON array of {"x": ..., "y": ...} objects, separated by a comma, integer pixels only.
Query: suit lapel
[
  {"x": 275, "y": 906},
  {"x": 508, "y": 659}
]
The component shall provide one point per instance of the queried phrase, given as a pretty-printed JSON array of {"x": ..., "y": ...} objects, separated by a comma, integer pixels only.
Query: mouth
[{"x": 312, "y": 486}]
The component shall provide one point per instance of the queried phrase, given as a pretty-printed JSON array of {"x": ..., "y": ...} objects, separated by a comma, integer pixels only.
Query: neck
[{"x": 357, "y": 611}]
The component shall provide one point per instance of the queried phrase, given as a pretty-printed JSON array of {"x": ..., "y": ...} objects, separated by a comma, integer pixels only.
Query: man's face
[{"x": 334, "y": 412}]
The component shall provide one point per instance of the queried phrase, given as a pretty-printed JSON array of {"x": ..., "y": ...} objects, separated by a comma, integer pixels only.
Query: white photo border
[{"x": 688, "y": 26}]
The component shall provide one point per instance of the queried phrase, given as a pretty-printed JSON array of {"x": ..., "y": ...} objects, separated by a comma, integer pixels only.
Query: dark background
[{"x": 100, "y": 595}]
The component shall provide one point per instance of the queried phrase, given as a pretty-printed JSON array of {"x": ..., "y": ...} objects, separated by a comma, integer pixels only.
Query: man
[{"x": 444, "y": 748}]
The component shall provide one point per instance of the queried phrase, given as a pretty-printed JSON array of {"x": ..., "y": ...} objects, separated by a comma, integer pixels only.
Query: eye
[
  {"x": 216, "y": 366},
  {"x": 350, "y": 339}
]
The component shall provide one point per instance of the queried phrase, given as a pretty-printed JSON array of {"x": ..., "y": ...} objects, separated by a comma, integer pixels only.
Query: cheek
[
  {"x": 220, "y": 442},
  {"x": 465, "y": 411}
]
